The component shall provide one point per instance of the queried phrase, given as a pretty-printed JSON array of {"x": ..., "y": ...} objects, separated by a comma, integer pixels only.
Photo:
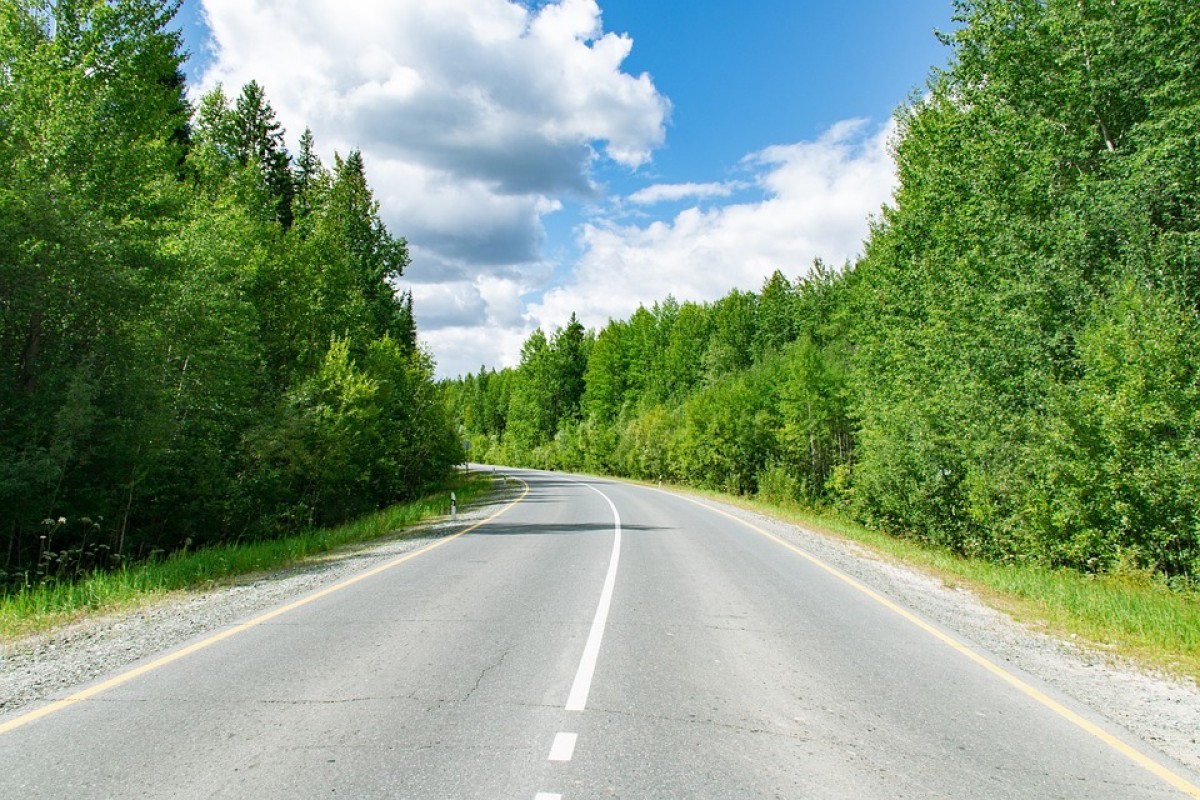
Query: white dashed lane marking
[{"x": 563, "y": 747}]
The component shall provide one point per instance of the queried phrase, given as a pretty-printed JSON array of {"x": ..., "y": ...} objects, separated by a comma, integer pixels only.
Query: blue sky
[{"x": 587, "y": 156}]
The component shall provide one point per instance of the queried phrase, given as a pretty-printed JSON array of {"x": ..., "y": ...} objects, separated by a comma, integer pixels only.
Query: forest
[
  {"x": 201, "y": 334},
  {"x": 1009, "y": 369}
]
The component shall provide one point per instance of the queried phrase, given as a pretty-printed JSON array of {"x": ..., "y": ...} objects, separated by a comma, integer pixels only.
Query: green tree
[
  {"x": 213, "y": 155},
  {"x": 571, "y": 346},
  {"x": 606, "y": 378},
  {"x": 176, "y": 365},
  {"x": 258, "y": 140},
  {"x": 531, "y": 422},
  {"x": 308, "y": 175},
  {"x": 776, "y": 319},
  {"x": 89, "y": 151},
  {"x": 1036, "y": 178},
  {"x": 682, "y": 360},
  {"x": 731, "y": 346},
  {"x": 1114, "y": 470},
  {"x": 362, "y": 258}
]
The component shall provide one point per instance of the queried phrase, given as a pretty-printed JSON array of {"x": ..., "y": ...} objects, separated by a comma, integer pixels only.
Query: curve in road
[{"x": 721, "y": 660}]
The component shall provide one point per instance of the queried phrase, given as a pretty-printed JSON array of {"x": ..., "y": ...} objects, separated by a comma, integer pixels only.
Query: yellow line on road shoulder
[
  {"x": 1142, "y": 760},
  {"x": 126, "y": 677}
]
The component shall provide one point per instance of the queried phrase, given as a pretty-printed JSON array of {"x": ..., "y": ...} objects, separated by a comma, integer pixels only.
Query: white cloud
[
  {"x": 464, "y": 349},
  {"x": 474, "y": 117},
  {"x": 469, "y": 323},
  {"x": 674, "y": 192},
  {"x": 817, "y": 200},
  {"x": 479, "y": 89}
]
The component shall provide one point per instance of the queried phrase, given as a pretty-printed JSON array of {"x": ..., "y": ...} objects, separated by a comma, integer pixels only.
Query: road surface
[{"x": 594, "y": 640}]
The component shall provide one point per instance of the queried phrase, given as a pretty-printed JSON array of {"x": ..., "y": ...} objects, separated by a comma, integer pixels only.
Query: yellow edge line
[
  {"x": 1142, "y": 760},
  {"x": 126, "y": 677}
]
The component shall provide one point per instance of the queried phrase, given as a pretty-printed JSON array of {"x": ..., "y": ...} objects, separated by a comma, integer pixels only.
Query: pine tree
[
  {"x": 375, "y": 259},
  {"x": 258, "y": 138},
  {"x": 307, "y": 174}
]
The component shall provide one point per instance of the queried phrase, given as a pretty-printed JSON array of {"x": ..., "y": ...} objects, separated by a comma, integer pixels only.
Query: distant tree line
[
  {"x": 1011, "y": 368},
  {"x": 200, "y": 335}
]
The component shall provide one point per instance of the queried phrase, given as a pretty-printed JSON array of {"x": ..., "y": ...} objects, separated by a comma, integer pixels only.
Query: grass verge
[
  {"x": 1132, "y": 616},
  {"x": 46, "y": 606}
]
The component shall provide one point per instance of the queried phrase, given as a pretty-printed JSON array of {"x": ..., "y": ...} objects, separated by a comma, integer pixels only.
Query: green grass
[
  {"x": 43, "y": 607},
  {"x": 1132, "y": 616}
]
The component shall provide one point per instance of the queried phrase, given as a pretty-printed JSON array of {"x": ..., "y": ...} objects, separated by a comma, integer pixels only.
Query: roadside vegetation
[
  {"x": 203, "y": 339},
  {"x": 46, "y": 604},
  {"x": 1006, "y": 380}
]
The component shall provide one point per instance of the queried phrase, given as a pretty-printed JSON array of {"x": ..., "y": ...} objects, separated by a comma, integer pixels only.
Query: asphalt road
[{"x": 595, "y": 640}]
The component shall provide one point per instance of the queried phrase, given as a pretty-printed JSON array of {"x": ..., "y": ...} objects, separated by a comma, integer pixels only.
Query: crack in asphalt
[
  {"x": 708, "y": 722},
  {"x": 484, "y": 673}
]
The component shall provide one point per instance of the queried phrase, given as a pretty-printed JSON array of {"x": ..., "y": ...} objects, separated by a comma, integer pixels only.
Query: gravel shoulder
[{"x": 1161, "y": 710}]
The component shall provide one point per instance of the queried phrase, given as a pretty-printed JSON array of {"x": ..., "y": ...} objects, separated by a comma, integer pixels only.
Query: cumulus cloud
[
  {"x": 817, "y": 199},
  {"x": 478, "y": 117},
  {"x": 474, "y": 116},
  {"x": 674, "y": 192},
  {"x": 487, "y": 328},
  {"x": 481, "y": 89}
]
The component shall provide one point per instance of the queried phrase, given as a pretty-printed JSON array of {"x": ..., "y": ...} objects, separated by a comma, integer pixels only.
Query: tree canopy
[{"x": 200, "y": 340}]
